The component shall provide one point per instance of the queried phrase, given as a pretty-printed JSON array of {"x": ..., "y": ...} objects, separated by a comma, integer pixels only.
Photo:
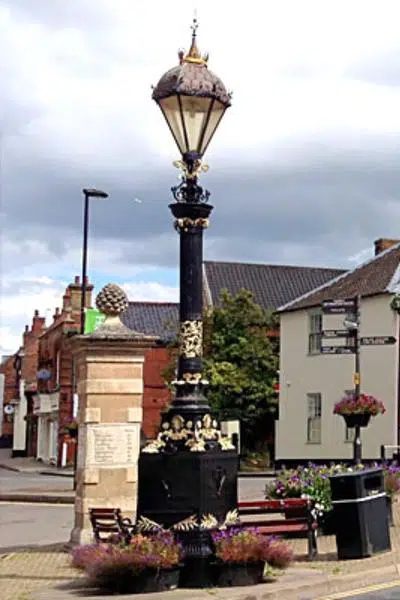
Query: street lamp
[
  {"x": 88, "y": 193},
  {"x": 190, "y": 470}
]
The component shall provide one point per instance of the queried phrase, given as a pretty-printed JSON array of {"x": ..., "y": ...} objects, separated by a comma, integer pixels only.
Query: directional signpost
[
  {"x": 338, "y": 350},
  {"x": 378, "y": 340},
  {"x": 335, "y": 333},
  {"x": 339, "y": 307},
  {"x": 351, "y": 308}
]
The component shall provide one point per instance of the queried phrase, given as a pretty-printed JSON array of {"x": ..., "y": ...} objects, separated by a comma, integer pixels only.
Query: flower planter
[
  {"x": 238, "y": 574},
  {"x": 145, "y": 582},
  {"x": 354, "y": 420},
  {"x": 389, "y": 506}
]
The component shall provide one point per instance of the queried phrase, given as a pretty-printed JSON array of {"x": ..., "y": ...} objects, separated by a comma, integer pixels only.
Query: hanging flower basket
[
  {"x": 358, "y": 411},
  {"x": 360, "y": 420}
]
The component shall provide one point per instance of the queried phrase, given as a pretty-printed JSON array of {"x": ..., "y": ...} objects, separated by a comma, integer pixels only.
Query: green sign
[{"x": 93, "y": 319}]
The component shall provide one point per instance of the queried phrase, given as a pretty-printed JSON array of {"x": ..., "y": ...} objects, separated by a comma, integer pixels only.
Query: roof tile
[
  {"x": 271, "y": 285},
  {"x": 371, "y": 278},
  {"x": 152, "y": 318}
]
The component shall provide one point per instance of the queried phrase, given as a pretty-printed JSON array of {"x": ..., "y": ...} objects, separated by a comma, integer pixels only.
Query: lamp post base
[{"x": 173, "y": 487}]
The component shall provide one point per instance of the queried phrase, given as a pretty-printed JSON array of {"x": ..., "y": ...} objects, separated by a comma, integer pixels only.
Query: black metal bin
[{"x": 360, "y": 513}]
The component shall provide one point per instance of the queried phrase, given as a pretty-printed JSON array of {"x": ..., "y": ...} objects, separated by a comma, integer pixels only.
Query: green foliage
[{"x": 241, "y": 361}]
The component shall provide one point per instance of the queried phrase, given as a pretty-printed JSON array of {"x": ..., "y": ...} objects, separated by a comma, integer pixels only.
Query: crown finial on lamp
[{"x": 193, "y": 56}]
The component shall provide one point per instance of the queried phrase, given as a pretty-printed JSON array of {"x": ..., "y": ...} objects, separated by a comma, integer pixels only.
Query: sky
[{"x": 303, "y": 168}]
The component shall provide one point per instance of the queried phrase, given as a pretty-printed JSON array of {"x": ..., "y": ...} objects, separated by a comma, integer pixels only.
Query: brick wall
[
  {"x": 7, "y": 368},
  {"x": 156, "y": 395},
  {"x": 55, "y": 355}
]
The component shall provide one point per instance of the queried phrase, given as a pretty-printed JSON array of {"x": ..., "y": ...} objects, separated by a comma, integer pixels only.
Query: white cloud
[
  {"x": 41, "y": 285},
  {"x": 151, "y": 291},
  {"x": 312, "y": 81}
]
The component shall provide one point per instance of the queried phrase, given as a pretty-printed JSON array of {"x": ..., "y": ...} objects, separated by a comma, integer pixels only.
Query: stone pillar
[{"x": 109, "y": 372}]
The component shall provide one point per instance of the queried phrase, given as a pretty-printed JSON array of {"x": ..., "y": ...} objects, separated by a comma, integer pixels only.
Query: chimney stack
[
  {"x": 383, "y": 244},
  {"x": 74, "y": 290}
]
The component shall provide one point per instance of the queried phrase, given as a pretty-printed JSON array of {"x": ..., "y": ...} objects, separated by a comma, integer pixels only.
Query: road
[
  {"x": 33, "y": 524},
  {"x": 11, "y": 481},
  {"x": 379, "y": 594}
]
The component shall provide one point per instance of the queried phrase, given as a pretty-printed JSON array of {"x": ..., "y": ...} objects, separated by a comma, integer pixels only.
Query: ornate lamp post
[{"x": 190, "y": 470}]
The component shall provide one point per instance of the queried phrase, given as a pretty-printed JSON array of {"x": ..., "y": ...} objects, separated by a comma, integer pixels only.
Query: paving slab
[
  {"x": 46, "y": 574},
  {"x": 30, "y": 465},
  {"x": 298, "y": 583}
]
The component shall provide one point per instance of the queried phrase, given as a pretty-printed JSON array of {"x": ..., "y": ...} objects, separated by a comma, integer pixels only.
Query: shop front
[{"x": 48, "y": 414}]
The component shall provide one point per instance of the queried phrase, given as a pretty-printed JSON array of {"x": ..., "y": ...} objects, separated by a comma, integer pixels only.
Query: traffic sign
[
  {"x": 356, "y": 379},
  {"x": 336, "y": 333},
  {"x": 337, "y": 350},
  {"x": 338, "y": 307},
  {"x": 378, "y": 340}
]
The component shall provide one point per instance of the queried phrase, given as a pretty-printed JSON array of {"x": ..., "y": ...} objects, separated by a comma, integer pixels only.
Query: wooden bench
[
  {"x": 298, "y": 518},
  {"x": 109, "y": 522}
]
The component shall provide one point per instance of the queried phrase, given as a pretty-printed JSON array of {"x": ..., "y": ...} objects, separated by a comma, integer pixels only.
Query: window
[
  {"x": 314, "y": 418},
  {"x": 58, "y": 363},
  {"x": 349, "y": 431},
  {"x": 315, "y": 332}
]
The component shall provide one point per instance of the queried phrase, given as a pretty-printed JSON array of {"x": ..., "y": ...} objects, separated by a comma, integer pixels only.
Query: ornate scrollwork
[
  {"x": 190, "y": 191},
  {"x": 205, "y": 432},
  {"x": 196, "y": 438},
  {"x": 194, "y": 170},
  {"x": 177, "y": 430},
  {"x": 191, "y": 339},
  {"x": 187, "y": 524},
  {"x": 191, "y": 377},
  {"x": 185, "y": 224}
]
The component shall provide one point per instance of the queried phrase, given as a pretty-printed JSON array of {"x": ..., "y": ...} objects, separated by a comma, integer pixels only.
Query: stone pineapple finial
[{"x": 112, "y": 301}]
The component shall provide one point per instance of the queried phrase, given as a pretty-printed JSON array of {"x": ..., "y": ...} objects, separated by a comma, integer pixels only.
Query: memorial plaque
[{"x": 110, "y": 445}]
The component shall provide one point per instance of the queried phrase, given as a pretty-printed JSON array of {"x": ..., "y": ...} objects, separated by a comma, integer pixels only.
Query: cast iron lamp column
[
  {"x": 193, "y": 101},
  {"x": 88, "y": 193},
  {"x": 188, "y": 475}
]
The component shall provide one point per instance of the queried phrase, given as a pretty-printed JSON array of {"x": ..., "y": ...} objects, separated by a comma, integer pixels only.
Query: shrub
[
  {"x": 113, "y": 566},
  {"x": 313, "y": 482},
  {"x": 279, "y": 554},
  {"x": 83, "y": 556}
]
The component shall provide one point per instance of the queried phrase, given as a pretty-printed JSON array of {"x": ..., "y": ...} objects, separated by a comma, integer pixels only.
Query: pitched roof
[
  {"x": 152, "y": 318},
  {"x": 271, "y": 285},
  {"x": 378, "y": 275}
]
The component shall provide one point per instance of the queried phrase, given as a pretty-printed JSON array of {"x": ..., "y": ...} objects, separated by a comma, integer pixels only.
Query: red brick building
[
  {"x": 39, "y": 378},
  {"x": 9, "y": 392},
  {"x": 20, "y": 388},
  {"x": 159, "y": 319},
  {"x": 55, "y": 377}
]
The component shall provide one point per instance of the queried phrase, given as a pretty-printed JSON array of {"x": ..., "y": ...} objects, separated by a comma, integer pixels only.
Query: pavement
[
  {"x": 35, "y": 565},
  {"x": 31, "y": 465}
]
